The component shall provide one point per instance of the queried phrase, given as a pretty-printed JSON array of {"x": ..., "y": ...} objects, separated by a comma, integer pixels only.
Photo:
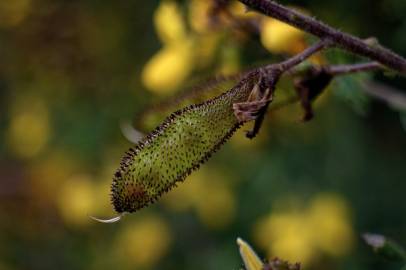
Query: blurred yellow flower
[
  {"x": 208, "y": 194},
  {"x": 102, "y": 187},
  {"x": 199, "y": 18},
  {"x": 206, "y": 49},
  {"x": 29, "y": 129},
  {"x": 250, "y": 258},
  {"x": 329, "y": 214},
  {"x": 240, "y": 10},
  {"x": 102, "y": 191},
  {"x": 169, "y": 23},
  {"x": 13, "y": 12},
  {"x": 47, "y": 174},
  {"x": 279, "y": 37},
  {"x": 217, "y": 208},
  {"x": 286, "y": 235},
  {"x": 169, "y": 68},
  {"x": 187, "y": 194},
  {"x": 183, "y": 51},
  {"x": 243, "y": 12},
  {"x": 76, "y": 200},
  {"x": 323, "y": 228},
  {"x": 144, "y": 242}
]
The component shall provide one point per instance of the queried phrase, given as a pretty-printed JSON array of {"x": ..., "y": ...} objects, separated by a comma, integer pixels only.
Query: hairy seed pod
[
  {"x": 196, "y": 94},
  {"x": 185, "y": 140}
]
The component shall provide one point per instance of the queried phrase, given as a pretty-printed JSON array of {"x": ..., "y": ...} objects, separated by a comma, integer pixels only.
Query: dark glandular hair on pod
[{"x": 185, "y": 140}]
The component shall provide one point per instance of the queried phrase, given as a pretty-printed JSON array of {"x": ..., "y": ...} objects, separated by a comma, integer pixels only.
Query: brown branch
[
  {"x": 299, "y": 58},
  {"x": 346, "y": 41},
  {"x": 275, "y": 70}
]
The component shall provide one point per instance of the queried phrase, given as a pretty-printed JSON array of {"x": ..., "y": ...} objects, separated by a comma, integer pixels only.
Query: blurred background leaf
[
  {"x": 385, "y": 247},
  {"x": 72, "y": 71}
]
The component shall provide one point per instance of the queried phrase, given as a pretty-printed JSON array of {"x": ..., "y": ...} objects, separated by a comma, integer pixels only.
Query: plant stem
[
  {"x": 299, "y": 58},
  {"x": 346, "y": 69},
  {"x": 346, "y": 41}
]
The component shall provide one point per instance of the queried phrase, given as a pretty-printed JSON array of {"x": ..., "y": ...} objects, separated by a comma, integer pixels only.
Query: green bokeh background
[{"x": 83, "y": 59}]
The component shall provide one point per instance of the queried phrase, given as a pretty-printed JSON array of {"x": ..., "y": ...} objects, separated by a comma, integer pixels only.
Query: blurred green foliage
[
  {"x": 385, "y": 247},
  {"x": 70, "y": 73}
]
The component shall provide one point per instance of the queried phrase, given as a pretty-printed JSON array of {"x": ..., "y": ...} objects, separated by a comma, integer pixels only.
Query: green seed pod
[
  {"x": 153, "y": 115},
  {"x": 185, "y": 140}
]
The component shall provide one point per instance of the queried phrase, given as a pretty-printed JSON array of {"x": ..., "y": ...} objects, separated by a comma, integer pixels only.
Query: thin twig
[
  {"x": 393, "y": 97},
  {"x": 299, "y": 58},
  {"x": 352, "y": 68},
  {"x": 278, "y": 69},
  {"x": 346, "y": 41}
]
